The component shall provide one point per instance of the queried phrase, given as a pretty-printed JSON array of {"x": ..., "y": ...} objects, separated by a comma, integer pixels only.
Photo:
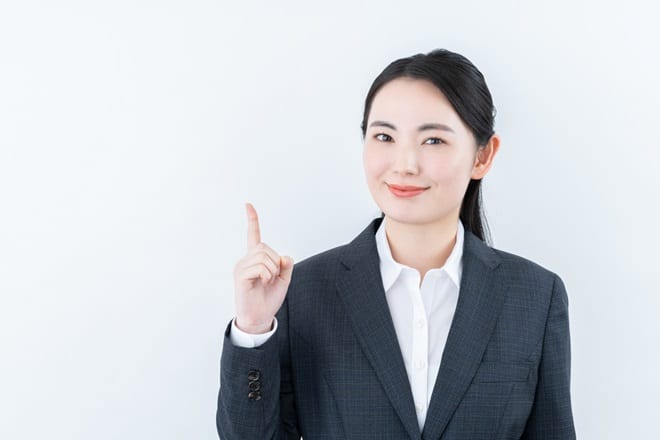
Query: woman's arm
[
  {"x": 252, "y": 378},
  {"x": 551, "y": 416},
  {"x": 256, "y": 395}
]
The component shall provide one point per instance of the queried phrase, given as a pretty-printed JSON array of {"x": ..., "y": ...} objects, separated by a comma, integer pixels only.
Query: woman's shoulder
[
  {"x": 525, "y": 271},
  {"x": 313, "y": 283},
  {"x": 504, "y": 261},
  {"x": 321, "y": 264},
  {"x": 521, "y": 261},
  {"x": 326, "y": 263}
]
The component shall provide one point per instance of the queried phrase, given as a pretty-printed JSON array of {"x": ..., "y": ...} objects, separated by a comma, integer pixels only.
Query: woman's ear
[{"x": 483, "y": 159}]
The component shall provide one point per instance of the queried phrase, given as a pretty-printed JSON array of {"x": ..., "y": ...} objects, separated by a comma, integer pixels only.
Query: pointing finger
[{"x": 253, "y": 234}]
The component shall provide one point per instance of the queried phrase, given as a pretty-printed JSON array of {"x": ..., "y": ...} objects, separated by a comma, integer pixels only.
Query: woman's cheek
[
  {"x": 374, "y": 164},
  {"x": 444, "y": 173}
]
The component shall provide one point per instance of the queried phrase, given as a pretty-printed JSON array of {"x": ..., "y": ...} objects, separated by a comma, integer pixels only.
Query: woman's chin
[{"x": 404, "y": 216}]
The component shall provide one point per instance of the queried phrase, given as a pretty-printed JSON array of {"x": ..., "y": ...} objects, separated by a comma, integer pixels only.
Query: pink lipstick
[{"x": 405, "y": 191}]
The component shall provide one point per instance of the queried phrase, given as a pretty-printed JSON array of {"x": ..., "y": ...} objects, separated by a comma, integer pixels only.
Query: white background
[{"x": 132, "y": 132}]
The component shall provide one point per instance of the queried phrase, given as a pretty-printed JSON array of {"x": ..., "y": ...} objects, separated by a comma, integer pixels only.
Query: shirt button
[
  {"x": 420, "y": 323},
  {"x": 420, "y": 364},
  {"x": 419, "y": 407}
]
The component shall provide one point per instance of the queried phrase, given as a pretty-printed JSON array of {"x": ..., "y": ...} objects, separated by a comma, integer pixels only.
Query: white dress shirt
[{"x": 422, "y": 315}]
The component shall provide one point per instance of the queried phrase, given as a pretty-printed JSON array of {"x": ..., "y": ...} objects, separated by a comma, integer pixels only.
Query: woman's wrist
[{"x": 254, "y": 328}]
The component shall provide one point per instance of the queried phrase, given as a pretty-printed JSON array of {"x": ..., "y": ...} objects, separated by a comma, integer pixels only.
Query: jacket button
[
  {"x": 254, "y": 385},
  {"x": 254, "y": 395},
  {"x": 254, "y": 375}
]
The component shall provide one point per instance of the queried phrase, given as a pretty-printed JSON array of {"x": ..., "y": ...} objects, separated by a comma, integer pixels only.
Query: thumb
[{"x": 286, "y": 267}]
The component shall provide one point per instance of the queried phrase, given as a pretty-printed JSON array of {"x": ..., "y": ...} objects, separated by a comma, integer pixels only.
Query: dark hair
[{"x": 465, "y": 88}]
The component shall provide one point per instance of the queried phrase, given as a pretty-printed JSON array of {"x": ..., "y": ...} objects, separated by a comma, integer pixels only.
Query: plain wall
[{"x": 132, "y": 133}]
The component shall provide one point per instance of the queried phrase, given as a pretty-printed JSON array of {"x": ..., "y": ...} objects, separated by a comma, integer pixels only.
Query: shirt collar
[{"x": 390, "y": 269}]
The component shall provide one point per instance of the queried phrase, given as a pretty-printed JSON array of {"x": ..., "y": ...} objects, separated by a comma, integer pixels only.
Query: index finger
[{"x": 253, "y": 233}]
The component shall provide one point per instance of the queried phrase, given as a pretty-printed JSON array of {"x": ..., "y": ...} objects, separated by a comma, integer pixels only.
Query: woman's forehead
[{"x": 408, "y": 103}]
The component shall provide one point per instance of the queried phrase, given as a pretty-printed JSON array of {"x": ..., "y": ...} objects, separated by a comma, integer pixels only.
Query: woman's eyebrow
[{"x": 427, "y": 126}]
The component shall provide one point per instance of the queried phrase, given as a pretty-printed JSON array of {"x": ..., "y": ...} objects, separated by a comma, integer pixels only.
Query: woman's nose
[{"x": 406, "y": 160}]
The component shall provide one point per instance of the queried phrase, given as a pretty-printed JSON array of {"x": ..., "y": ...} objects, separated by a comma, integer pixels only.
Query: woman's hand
[{"x": 261, "y": 280}]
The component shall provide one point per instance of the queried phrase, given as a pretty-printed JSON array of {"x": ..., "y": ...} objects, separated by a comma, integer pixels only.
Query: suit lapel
[
  {"x": 481, "y": 296},
  {"x": 360, "y": 287}
]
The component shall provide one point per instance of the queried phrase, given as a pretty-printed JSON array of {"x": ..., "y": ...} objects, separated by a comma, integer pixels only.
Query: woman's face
[{"x": 414, "y": 137}]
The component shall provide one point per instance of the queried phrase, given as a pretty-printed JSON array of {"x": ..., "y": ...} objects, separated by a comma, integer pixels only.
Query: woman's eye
[
  {"x": 386, "y": 138},
  {"x": 438, "y": 141}
]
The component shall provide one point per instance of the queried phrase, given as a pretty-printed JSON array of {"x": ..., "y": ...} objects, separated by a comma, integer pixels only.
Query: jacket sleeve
[
  {"x": 551, "y": 415},
  {"x": 256, "y": 395}
]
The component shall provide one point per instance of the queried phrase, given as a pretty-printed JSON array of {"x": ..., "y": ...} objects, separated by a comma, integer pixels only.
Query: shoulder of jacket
[
  {"x": 322, "y": 263},
  {"x": 523, "y": 268}
]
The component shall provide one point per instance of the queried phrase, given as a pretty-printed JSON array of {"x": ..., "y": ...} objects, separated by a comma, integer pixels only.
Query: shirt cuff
[{"x": 248, "y": 340}]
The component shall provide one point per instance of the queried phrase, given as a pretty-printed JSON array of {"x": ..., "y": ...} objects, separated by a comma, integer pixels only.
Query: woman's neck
[{"x": 422, "y": 246}]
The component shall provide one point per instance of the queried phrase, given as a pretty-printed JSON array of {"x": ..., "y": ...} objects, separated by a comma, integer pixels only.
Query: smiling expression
[{"x": 415, "y": 139}]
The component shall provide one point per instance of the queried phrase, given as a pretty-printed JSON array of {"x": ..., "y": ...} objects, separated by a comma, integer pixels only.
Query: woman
[{"x": 416, "y": 328}]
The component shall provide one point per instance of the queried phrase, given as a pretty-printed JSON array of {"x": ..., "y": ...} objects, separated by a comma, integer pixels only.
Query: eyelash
[{"x": 434, "y": 138}]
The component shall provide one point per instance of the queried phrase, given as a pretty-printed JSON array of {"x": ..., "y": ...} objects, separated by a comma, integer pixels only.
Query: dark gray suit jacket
[{"x": 334, "y": 370}]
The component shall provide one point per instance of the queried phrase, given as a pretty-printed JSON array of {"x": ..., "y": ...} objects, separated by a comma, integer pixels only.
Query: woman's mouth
[{"x": 405, "y": 191}]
